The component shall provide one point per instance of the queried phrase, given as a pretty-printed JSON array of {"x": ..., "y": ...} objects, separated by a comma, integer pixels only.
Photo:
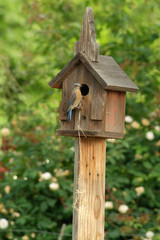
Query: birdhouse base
[{"x": 83, "y": 133}]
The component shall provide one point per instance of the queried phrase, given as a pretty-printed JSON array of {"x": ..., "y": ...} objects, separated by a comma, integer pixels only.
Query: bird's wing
[{"x": 72, "y": 99}]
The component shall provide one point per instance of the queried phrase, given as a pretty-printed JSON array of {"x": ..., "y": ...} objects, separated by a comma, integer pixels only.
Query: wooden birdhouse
[{"x": 103, "y": 86}]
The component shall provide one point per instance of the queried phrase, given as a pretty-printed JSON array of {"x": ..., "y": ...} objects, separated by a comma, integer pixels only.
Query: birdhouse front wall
[
  {"x": 100, "y": 111},
  {"x": 91, "y": 116}
]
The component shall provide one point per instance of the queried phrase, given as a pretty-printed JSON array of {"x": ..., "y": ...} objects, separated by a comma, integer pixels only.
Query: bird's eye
[{"x": 84, "y": 89}]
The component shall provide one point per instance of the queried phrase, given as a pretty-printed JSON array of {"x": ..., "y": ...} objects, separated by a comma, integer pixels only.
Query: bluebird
[{"x": 75, "y": 99}]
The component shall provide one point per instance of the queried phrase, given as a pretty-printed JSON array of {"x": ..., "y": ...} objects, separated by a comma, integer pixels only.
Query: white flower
[
  {"x": 111, "y": 140},
  {"x": 128, "y": 119},
  {"x": 22, "y": 118},
  {"x": 157, "y": 128},
  {"x": 11, "y": 210},
  {"x": 150, "y": 135},
  {"x": 60, "y": 172},
  {"x": 46, "y": 176},
  {"x": 139, "y": 190},
  {"x": 25, "y": 237},
  {"x": 12, "y": 223},
  {"x": 7, "y": 189},
  {"x": 15, "y": 177},
  {"x": 16, "y": 214},
  {"x": 47, "y": 161},
  {"x": 114, "y": 189},
  {"x": 38, "y": 128},
  {"x": 72, "y": 149},
  {"x": 150, "y": 234},
  {"x": 5, "y": 132},
  {"x": 33, "y": 235},
  {"x": 14, "y": 122},
  {"x": 123, "y": 208},
  {"x": 11, "y": 160},
  {"x": 138, "y": 156},
  {"x": 108, "y": 205},
  {"x": 3, "y": 209},
  {"x": 124, "y": 194},
  {"x": 3, "y": 223},
  {"x": 158, "y": 143},
  {"x": 54, "y": 179},
  {"x": 135, "y": 125},
  {"x": 145, "y": 122},
  {"x": 54, "y": 186}
]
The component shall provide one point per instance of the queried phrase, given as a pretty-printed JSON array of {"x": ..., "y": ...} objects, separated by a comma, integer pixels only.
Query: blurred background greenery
[{"x": 36, "y": 41}]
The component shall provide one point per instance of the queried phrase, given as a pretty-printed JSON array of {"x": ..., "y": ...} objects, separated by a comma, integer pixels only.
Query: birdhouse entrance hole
[{"x": 84, "y": 89}]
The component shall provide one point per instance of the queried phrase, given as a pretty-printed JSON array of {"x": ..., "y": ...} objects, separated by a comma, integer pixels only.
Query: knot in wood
[{"x": 97, "y": 206}]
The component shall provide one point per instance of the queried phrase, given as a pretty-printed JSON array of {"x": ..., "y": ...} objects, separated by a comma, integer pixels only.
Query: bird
[{"x": 75, "y": 99}]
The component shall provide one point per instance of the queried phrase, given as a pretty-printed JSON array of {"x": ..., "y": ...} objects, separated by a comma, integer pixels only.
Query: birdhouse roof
[{"x": 106, "y": 71}]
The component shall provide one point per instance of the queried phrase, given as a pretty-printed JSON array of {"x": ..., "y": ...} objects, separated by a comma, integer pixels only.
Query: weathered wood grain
[
  {"x": 73, "y": 77},
  {"x": 78, "y": 112},
  {"x": 115, "y": 111},
  {"x": 97, "y": 108},
  {"x": 107, "y": 72},
  {"x": 91, "y": 115},
  {"x": 75, "y": 193},
  {"x": 89, "y": 189},
  {"x": 98, "y": 134},
  {"x": 87, "y": 42},
  {"x": 83, "y": 116},
  {"x": 63, "y": 105}
]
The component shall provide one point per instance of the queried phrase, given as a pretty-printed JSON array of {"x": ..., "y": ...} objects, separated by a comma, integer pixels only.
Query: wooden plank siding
[{"x": 115, "y": 112}]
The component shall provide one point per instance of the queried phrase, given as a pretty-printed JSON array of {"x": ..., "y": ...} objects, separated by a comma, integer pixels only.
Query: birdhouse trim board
[
  {"x": 77, "y": 133},
  {"x": 107, "y": 72}
]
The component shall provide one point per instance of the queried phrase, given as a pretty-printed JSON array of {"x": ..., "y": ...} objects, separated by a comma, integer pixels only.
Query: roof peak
[{"x": 87, "y": 42}]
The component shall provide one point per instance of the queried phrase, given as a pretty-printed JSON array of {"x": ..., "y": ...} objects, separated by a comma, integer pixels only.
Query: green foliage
[{"x": 36, "y": 41}]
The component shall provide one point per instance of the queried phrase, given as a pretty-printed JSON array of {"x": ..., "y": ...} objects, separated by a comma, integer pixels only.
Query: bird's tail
[{"x": 69, "y": 115}]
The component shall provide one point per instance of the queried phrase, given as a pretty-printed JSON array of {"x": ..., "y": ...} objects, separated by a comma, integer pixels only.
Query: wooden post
[{"x": 89, "y": 189}]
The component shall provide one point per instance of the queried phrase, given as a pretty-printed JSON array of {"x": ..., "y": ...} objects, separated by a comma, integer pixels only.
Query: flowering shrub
[
  {"x": 33, "y": 195},
  {"x": 36, "y": 166}
]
